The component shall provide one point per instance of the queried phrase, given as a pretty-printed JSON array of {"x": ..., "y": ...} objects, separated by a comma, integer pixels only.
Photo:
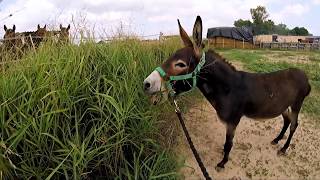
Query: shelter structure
[{"x": 230, "y": 37}]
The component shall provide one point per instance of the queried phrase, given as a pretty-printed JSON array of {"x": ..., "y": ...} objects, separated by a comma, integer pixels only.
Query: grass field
[{"x": 77, "y": 112}]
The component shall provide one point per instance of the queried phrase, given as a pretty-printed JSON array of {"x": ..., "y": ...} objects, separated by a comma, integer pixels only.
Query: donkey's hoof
[
  {"x": 274, "y": 142},
  {"x": 281, "y": 152},
  {"x": 235, "y": 178},
  {"x": 219, "y": 169}
]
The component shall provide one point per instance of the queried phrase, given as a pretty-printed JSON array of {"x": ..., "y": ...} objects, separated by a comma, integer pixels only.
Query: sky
[{"x": 150, "y": 17}]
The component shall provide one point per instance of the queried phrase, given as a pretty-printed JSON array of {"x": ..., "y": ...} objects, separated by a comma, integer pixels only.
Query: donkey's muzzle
[
  {"x": 152, "y": 84},
  {"x": 146, "y": 85}
]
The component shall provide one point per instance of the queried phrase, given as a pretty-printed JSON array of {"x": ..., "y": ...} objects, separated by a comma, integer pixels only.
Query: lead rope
[{"x": 194, "y": 150}]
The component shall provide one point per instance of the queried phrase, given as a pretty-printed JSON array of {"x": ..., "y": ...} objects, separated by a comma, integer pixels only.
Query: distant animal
[
  {"x": 39, "y": 35},
  {"x": 231, "y": 92},
  {"x": 64, "y": 34},
  {"x": 305, "y": 40},
  {"x": 12, "y": 40},
  {"x": 9, "y": 40}
]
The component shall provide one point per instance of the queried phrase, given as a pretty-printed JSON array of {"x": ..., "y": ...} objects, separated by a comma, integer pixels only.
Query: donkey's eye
[{"x": 182, "y": 65}]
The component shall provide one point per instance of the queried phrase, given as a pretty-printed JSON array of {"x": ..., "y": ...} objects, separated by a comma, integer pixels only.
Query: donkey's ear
[
  {"x": 38, "y": 26},
  {"x": 45, "y": 26},
  {"x": 60, "y": 26},
  {"x": 68, "y": 27},
  {"x": 5, "y": 28},
  {"x": 197, "y": 32},
  {"x": 184, "y": 36},
  {"x": 14, "y": 28}
]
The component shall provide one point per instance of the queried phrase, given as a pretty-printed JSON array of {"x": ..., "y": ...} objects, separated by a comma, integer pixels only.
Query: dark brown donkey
[{"x": 234, "y": 93}]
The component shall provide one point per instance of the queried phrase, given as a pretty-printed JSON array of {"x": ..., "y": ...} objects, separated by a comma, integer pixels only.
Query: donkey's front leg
[{"x": 230, "y": 130}]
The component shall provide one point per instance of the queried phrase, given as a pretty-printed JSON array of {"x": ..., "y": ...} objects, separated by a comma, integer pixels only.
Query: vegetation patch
[{"x": 79, "y": 111}]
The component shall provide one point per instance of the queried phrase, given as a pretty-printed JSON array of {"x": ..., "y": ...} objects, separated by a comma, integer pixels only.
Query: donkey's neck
[{"x": 217, "y": 76}]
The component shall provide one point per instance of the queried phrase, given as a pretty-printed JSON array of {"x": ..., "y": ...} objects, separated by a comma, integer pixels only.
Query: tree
[
  {"x": 241, "y": 22},
  {"x": 299, "y": 31},
  {"x": 268, "y": 27},
  {"x": 262, "y": 25},
  {"x": 281, "y": 29},
  {"x": 259, "y": 15}
]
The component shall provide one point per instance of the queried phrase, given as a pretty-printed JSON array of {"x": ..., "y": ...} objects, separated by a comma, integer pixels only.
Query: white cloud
[
  {"x": 316, "y": 1},
  {"x": 290, "y": 11}
]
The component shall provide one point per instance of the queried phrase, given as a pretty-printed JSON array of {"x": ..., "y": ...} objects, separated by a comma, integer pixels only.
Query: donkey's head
[
  {"x": 9, "y": 33},
  {"x": 182, "y": 62},
  {"x": 41, "y": 32},
  {"x": 64, "y": 33}
]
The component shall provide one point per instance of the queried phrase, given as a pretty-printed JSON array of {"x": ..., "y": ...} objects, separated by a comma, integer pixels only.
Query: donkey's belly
[
  {"x": 262, "y": 117},
  {"x": 267, "y": 113}
]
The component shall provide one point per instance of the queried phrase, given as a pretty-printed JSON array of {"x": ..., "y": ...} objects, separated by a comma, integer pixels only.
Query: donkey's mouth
[
  {"x": 155, "y": 99},
  {"x": 159, "y": 97}
]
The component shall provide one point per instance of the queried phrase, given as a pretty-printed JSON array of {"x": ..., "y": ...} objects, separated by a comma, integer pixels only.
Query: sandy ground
[{"x": 252, "y": 155}]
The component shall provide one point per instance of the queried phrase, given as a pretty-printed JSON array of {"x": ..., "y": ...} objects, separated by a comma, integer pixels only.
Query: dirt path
[{"x": 252, "y": 155}]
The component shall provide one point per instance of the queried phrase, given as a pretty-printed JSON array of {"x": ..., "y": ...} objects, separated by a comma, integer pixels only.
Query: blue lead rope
[{"x": 192, "y": 75}]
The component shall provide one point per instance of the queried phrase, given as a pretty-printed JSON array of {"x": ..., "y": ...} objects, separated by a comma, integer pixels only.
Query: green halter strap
[{"x": 192, "y": 75}]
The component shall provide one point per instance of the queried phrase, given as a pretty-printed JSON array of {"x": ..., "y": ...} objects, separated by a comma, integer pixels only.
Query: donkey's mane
[{"x": 217, "y": 56}]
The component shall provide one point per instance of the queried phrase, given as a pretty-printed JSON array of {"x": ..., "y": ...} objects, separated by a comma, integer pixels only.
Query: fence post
[
  {"x": 222, "y": 42},
  {"x": 160, "y": 36},
  {"x": 242, "y": 43}
]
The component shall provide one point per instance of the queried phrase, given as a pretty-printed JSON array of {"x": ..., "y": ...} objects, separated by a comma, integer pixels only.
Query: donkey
[
  {"x": 64, "y": 34},
  {"x": 9, "y": 37},
  {"x": 14, "y": 41},
  {"x": 232, "y": 93},
  {"x": 39, "y": 35}
]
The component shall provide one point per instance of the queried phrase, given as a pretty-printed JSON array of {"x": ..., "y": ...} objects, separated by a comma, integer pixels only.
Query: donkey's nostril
[{"x": 146, "y": 85}]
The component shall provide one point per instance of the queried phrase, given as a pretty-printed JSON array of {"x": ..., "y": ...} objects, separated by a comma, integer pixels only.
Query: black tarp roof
[{"x": 238, "y": 33}]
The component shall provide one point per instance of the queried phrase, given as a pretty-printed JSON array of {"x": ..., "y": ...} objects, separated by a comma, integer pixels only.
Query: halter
[{"x": 192, "y": 75}]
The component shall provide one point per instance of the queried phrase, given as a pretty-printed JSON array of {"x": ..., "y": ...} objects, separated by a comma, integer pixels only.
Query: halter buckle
[{"x": 177, "y": 109}]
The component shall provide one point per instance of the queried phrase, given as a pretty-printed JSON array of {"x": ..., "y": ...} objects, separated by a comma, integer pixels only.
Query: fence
[
  {"x": 105, "y": 38},
  {"x": 288, "y": 46},
  {"x": 215, "y": 43},
  {"x": 221, "y": 42}
]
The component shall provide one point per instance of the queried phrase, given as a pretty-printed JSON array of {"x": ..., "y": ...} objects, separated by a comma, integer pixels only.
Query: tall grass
[{"x": 77, "y": 112}]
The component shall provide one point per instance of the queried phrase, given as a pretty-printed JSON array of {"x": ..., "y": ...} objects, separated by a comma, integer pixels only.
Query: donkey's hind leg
[
  {"x": 293, "y": 127},
  {"x": 286, "y": 122}
]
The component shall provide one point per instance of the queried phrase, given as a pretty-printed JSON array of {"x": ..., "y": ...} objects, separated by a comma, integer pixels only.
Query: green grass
[
  {"x": 76, "y": 112},
  {"x": 263, "y": 61}
]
